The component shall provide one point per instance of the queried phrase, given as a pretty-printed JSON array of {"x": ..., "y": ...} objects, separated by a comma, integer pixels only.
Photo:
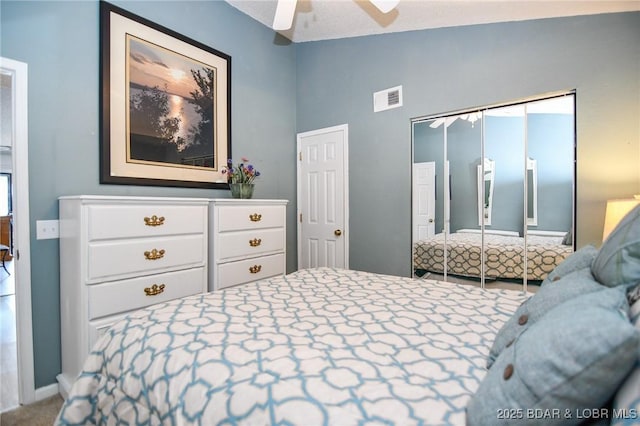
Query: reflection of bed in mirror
[{"x": 504, "y": 254}]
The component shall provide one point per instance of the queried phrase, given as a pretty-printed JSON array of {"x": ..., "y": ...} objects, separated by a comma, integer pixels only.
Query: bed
[
  {"x": 504, "y": 254},
  {"x": 318, "y": 346},
  {"x": 336, "y": 347}
]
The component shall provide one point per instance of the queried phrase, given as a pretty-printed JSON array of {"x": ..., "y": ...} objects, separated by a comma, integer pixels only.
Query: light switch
[{"x": 47, "y": 229}]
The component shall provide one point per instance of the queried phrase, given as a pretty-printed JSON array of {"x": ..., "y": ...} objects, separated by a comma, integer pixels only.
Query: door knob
[
  {"x": 337, "y": 232},
  {"x": 430, "y": 220}
]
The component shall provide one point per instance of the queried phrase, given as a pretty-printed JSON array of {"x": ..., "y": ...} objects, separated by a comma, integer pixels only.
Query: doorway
[
  {"x": 19, "y": 386},
  {"x": 424, "y": 199},
  {"x": 323, "y": 198}
]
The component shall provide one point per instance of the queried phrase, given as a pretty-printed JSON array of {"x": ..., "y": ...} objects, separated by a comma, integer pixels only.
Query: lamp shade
[{"x": 616, "y": 210}]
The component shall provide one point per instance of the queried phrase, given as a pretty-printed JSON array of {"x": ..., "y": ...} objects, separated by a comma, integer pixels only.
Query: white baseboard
[
  {"x": 46, "y": 391},
  {"x": 64, "y": 385},
  {"x": 40, "y": 394}
]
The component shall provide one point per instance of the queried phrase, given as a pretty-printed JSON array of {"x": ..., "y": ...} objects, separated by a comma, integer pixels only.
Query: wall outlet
[{"x": 47, "y": 229}]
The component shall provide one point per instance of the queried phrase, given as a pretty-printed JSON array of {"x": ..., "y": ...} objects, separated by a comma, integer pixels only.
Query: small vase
[{"x": 241, "y": 190}]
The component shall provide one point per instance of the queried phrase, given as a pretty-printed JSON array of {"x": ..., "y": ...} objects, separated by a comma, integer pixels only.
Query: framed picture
[{"x": 165, "y": 105}]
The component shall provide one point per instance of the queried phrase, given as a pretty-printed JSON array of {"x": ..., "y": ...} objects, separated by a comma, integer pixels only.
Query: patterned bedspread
[
  {"x": 316, "y": 347},
  {"x": 504, "y": 255}
]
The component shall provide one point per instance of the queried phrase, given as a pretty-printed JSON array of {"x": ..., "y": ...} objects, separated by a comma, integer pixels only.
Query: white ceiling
[{"x": 331, "y": 19}]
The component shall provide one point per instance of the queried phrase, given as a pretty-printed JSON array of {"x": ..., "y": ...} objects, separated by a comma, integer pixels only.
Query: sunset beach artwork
[
  {"x": 171, "y": 107},
  {"x": 165, "y": 105}
]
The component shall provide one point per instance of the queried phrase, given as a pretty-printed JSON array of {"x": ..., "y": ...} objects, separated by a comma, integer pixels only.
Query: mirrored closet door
[{"x": 493, "y": 192}]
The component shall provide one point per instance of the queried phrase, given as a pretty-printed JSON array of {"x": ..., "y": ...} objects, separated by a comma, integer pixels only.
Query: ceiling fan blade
[
  {"x": 283, "y": 18},
  {"x": 385, "y": 6}
]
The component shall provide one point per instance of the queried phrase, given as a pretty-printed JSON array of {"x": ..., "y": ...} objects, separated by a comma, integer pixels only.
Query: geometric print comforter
[
  {"x": 316, "y": 347},
  {"x": 504, "y": 255}
]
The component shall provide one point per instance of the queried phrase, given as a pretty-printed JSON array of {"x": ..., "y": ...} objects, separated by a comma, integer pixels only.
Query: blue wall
[
  {"x": 463, "y": 151},
  {"x": 550, "y": 143},
  {"x": 554, "y": 158},
  {"x": 452, "y": 69},
  {"x": 280, "y": 89},
  {"x": 504, "y": 144},
  {"x": 60, "y": 43}
]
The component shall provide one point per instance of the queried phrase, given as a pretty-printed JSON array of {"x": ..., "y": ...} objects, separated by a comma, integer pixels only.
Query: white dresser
[
  {"x": 247, "y": 241},
  {"x": 118, "y": 254}
]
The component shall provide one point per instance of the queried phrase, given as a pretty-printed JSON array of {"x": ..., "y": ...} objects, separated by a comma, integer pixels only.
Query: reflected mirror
[
  {"x": 532, "y": 192},
  {"x": 486, "y": 173}
]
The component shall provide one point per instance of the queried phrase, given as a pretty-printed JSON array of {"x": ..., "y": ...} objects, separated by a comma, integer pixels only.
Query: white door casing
[
  {"x": 323, "y": 207},
  {"x": 21, "y": 231},
  {"x": 424, "y": 200}
]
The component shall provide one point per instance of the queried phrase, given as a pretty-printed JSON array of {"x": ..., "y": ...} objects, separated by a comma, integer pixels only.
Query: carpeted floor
[
  {"x": 41, "y": 413},
  {"x": 489, "y": 284}
]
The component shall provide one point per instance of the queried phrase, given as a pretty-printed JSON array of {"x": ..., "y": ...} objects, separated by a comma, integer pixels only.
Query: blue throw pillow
[
  {"x": 618, "y": 262},
  {"x": 573, "y": 359},
  {"x": 574, "y": 284},
  {"x": 580, "y": 259},
  {"x": 626, "y": 404}
]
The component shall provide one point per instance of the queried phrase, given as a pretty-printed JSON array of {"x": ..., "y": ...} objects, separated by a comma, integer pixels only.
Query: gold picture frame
[{"x": 165, "y": 105}]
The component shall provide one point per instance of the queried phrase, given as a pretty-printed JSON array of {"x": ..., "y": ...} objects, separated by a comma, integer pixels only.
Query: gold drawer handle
[
  {"x": 255, "y": 217},
  {"x": 154, "y": 290},
  {"x": 154, "y": 220},
  {"x": 255, "y": 242},
  {"x": 255, "y": 269},
  {"x": 154, "y": 254}
]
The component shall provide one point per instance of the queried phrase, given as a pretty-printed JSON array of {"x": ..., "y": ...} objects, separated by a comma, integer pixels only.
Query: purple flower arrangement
[{"x": 243, "y": 172}]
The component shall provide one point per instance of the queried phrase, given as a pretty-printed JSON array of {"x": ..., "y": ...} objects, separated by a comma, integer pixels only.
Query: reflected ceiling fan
[{"x": 285, "y": 10}]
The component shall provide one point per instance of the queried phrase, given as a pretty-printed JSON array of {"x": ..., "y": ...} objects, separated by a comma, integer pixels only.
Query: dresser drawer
[
  {"x": 232, "y": 218},
  {"x": 244, "y": 271},
  {"x": 130, "y": 221},
  {"x": 126, "y": 295},
  {"x": 121, "y": 258},
  {"x": 249, "y": 243}
]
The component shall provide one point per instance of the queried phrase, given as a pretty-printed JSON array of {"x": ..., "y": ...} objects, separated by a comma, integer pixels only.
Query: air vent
[{"x": 387, "y": 99}]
